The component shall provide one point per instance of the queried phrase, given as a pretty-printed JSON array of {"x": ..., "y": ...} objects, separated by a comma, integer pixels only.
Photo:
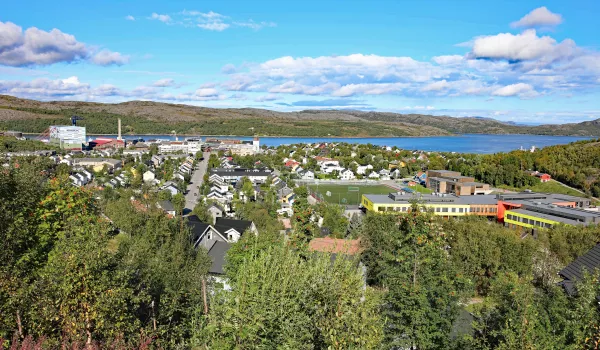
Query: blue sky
[{"x": 524, "y": 61}]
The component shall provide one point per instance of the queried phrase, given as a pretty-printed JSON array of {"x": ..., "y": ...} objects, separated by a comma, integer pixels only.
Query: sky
[{"x": 521, "y": 61}]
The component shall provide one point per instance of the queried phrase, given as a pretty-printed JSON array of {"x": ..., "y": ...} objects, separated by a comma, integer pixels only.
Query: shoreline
[{"x": 338, "y": 137}]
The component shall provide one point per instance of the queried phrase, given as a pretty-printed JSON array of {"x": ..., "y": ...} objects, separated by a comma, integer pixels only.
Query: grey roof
[
  {"x": 97, "y": 160},
  {"x": 430, "y": 198},
  {"x": 547, "y": 216},
  {"x": 239, "y": 225},
  {"x": 574, "y": 271},
  {"x": 166, "y": 205},
  {"x": 216, "y": 205},
  {"x": 197, "y": 227},
  {"x": 217, "y": 253},
  {"x": 239, "y": 172}
]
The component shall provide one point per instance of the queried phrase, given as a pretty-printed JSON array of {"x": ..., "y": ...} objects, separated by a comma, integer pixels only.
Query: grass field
[
  {"x": 548, "y": 187},
  {"x": 340, "y": 192}
]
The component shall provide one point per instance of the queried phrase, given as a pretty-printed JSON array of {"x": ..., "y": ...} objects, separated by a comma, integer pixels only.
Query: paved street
[{"x": 191, "y": 197}]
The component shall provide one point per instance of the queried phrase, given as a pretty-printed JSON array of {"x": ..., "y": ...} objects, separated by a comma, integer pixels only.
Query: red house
[{"x": 544, "y": 177}]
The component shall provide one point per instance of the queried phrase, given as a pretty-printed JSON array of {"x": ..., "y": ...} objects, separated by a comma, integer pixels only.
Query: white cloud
[
  {"x": 449, "y": 60},
  {"x": 524, "y": 46},
  {"x": 540, "y": 17},
  {"x": 206, "y": 92},
  {"x": 228, "y": 69},
  {"x": 519, "y": 89},
  {"x": 267, "y": 98},
  {"x": 39, "y": 47},
  {"x": 214, "y": 25},
  {"x": 255, "y": 25},
  {"x": 164, "y": 82},
  {"x": 437, "y": 86},
  {"x": 107, "y": 58},
  {"x": 130, "y": 18},
  {"x": 162, "y": 18}
]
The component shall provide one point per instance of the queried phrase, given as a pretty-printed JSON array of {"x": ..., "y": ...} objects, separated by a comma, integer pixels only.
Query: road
[{"x": 191, "y": 197}]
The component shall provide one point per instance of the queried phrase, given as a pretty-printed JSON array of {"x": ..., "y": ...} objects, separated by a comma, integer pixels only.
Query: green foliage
[
  {"x": 281, "y": 300},
  {"x": 480, "y": 250},
  {"x": 405, "y": 255},
  {"x": 179, "y": 203},
  {"x": 11, "y": 144}
]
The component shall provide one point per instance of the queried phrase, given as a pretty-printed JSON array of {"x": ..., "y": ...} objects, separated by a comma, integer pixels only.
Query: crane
[{"x": 74, "y": 120}]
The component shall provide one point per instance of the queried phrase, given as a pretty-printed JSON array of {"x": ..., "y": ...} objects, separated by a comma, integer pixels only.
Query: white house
[
  {"x": 307, "y": 175},
  {"x": 148, "y": 176},
  {"x": 171, "y": 188},
  {"x": 362, "y": 169},
  {"x": 346, "y": 174},
  {"x": 373, "y": 175}
]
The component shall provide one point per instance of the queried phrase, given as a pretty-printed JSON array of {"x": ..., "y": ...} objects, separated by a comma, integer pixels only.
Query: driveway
[{"x": 191, "y": 197}]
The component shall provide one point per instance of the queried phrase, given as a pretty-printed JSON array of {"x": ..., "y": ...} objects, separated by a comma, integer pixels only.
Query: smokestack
[{"x": 119, "y": 137}]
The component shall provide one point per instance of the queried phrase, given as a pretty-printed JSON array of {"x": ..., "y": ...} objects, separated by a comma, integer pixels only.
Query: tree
[
  {"x": 179, "y": 203},
  {"x": 165, "y": 195},
  {"x": 302, "y": 222},
  {"x": 408, "y": 259},
  {"x": 279, "y": 299}
]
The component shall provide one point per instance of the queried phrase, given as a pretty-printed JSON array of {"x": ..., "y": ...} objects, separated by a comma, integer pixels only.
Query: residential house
[
  {"x": 171, "y": 187},
  {"x": 148, "y": 176},
  {"x": 157, "y": 160},
  {"x": 168, "y": 207},
  {"x": 286, "y": 195},
  {"x": 98, "y": 163},
  {"x": 307, "y": 175},
  {"x": 575, "y": 271},
  {"x": 374, "y": 175},
  {"x": 235, "y": 175},
  {"x": 216, "y": 211},
  {"x": 224, "y": 230},
  {"x": 362, "y": 169},
  {"x": 346, "y": 174}
]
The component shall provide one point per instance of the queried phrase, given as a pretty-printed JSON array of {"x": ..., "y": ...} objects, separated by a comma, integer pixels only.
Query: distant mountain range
[{"x": 142, "y": 117}]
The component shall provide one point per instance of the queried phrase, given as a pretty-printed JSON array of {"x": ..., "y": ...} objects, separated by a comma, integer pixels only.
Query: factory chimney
[{"x": 119, "y": 137}]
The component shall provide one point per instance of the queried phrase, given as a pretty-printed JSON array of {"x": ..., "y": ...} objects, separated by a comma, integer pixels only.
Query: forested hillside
[
  {"x": 144, "y": 117},
  {"x": 576, "y": 164}
]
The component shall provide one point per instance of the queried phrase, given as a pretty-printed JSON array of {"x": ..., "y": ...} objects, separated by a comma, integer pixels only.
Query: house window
[
  {"x": 454, "y": 210},
  {"x": 444, "y": 210},
  {"x": 460, "y": 210}
]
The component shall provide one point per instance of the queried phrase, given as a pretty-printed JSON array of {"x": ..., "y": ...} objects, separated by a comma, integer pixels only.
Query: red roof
[
  {"x": 291, "y": 163},
  {"x": 103, "y": 141},
  {"x": 335, "y": 245}
]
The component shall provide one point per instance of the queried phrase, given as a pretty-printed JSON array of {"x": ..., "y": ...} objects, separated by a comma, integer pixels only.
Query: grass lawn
[
  {"x": 339, "y": 192},
  {"x": 420, "y": 189},
  {"x": 548, "y": 187}
]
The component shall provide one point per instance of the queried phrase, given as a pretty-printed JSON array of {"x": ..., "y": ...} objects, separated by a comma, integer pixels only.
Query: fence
[{"x": 337, "y": 182}]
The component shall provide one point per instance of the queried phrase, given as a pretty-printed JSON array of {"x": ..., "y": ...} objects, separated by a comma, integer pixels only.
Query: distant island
[{"x": 145, "y": 117}]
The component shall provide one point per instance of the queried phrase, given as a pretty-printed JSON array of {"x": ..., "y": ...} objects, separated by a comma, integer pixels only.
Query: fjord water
[{"x": 468, "y": 143}]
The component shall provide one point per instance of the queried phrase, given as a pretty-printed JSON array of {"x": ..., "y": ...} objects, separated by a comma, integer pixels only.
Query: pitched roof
[
  {"x": 166, "y": 205},
  {"x": 217, "y": 252},
  {"x": 335, "y": 245},
  {"x": 239, "y": 225},
  {"x": 575, "y": 270},
  {"x": 197, "y": 227}
]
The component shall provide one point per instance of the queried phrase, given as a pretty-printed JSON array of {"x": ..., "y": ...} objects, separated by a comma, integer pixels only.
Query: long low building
[
  {"x": 97, "y": 163},
  {"x": 524, "y": 211},
  {"x": 236, "y": 174},
  {"x": 441, "y": 204}
]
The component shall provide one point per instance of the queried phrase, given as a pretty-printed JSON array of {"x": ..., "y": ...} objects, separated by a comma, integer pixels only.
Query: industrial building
[
  {"x": 67, "y": 137},
  {"x": 452, "y": 182}
]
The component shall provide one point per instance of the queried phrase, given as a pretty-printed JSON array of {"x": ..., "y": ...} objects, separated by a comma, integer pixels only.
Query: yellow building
[{"x": 442, "y": 205}]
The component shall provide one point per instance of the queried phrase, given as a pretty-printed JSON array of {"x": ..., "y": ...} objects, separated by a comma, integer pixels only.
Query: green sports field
[{"x": 344, "y": 194}]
